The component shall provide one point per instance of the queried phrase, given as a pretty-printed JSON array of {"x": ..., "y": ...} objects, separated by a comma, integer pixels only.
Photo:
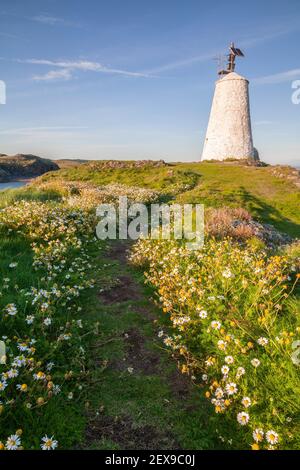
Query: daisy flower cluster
[
  {"x": 233, "y": 324},
  {"x": 41, "y": 320},
  {"x": 86, "y": 195}
]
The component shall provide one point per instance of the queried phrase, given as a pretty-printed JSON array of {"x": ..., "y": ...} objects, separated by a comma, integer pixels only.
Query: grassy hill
[
  {"x": 270, "y": 193},
  {"x": 102, "y": 357}
]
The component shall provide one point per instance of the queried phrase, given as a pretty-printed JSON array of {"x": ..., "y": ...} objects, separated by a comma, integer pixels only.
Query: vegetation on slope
[
  {"x": 90, "y": 356},
  {"x": 271, "y": 198},
  {"x": 234, "y": 323},
  {"x": 125, "y": 380}
]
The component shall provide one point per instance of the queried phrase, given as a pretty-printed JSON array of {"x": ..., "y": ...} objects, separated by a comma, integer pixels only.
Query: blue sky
[{"x": 134, "y": 79}]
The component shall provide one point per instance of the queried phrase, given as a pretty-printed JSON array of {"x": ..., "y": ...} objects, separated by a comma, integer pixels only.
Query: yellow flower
[
  {"x": 1, "y": 446},
  {"x": 184, "y": 369},
  {"x": 255, "y": 446},
  {"x": 207, "y": 394}
]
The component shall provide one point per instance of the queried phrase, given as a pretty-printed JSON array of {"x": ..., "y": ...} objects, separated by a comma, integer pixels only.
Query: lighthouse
[{"x": 229, "y": 134}]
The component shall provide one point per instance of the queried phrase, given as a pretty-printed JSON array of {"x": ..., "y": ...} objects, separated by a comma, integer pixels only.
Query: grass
[
  {"x": 151, "y": 407},
  {"x": 117, "y": 407},
  {"x": 70, "y": 429},
  {"x": 144, "y": 401},
  {"x": 269, "y": 198}
]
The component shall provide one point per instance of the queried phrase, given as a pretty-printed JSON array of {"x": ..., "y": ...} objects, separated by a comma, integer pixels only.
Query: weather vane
[{"x": 233, "y": 53}]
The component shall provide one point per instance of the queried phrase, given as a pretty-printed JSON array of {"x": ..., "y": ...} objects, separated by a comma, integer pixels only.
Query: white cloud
[
  {"x": 53, "y": 20},
  {"x": 54, "y": 75},
  {"x": 69, "y": 66},
  {"x": 182, "y": 63},
  {"x": 281, "y": 77}
]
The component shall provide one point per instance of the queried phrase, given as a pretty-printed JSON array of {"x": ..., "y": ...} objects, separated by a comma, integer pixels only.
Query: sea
[{"x": 12, "y": 184}]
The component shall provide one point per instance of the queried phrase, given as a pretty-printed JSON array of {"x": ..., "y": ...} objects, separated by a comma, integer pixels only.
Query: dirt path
[{"x": 140, "y": 400}]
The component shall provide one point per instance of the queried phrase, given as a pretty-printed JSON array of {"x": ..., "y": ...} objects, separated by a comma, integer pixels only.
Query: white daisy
[
  {"x": 258, "y": 434},
  {"x": 11, "y": 310},
  {"x": 246, "y": 402},
  {"x": 272, "y": 437},
  {"x": 13, "y": 265},
  {"x": 240, "y": 371},
  {"x": 242, "y": 418},
  {"x": 48, "y": 443},
  {"x": 229, "y": 360},
  {"x": 255, "y": 362},
  {"x": 231, "y": 388},
  {"x": 47, "y": 321},
  {"x": 225, "y": 370},
  {"x": 227, "y": 273},
  {"x": 13, "y": 442},
  {"x": 219, "y": 392},
  {"x": 222, "y": 345},
  {"x": 262, "y": 341},
  {"x": 29, "y": 319},
  {"x": 3, "y": 385}
]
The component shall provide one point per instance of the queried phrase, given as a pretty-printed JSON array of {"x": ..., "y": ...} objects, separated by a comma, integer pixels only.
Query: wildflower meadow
[
  {"x": 230, "y": 322},
  {"x": 234, "y": 321}
]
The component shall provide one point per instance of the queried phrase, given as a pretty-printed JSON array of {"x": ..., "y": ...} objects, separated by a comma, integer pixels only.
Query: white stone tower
[{"x": 229, "y": 133}]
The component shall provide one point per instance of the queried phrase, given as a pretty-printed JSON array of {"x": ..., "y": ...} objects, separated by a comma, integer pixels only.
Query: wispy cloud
[
  {"x": 281, "y": 77},
  {"x": 33, "y": 130},
  {"x": 53, "y": 20},
  {"x": 183, "y": 63},
  {"x": 70, "y": 66},
  {"x": 248, "y": 42},
  {"x": 53, "y": 75}
]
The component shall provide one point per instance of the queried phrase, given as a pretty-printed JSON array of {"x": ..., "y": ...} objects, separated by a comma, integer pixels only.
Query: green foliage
[
  {"x": 269, "y": 198},
  {"x": 235, "y": 324}
]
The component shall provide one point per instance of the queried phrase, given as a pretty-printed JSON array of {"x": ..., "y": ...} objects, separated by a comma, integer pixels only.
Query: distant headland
[{"x": 22, "y": 166}]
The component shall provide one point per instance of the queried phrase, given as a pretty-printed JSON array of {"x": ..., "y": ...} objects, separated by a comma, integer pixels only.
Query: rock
[{"x": 24, "y": 166}]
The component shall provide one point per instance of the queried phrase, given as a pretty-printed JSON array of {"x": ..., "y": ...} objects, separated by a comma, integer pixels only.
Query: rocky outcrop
[{"x": 24, "y": 166}]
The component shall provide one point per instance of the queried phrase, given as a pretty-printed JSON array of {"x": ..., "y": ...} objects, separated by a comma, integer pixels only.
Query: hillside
[
  {"x": 24, "y": 166},
  {"x": 270, "y": 193},
  {"x": 121, "y": 371}
]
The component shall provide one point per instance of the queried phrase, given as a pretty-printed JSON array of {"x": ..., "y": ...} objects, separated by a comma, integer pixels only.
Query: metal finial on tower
[{"x": 233, "y": 53}]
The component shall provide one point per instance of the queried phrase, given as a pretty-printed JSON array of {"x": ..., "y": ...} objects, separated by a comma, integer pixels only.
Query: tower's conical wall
[{"x": 229, "y": 132}]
